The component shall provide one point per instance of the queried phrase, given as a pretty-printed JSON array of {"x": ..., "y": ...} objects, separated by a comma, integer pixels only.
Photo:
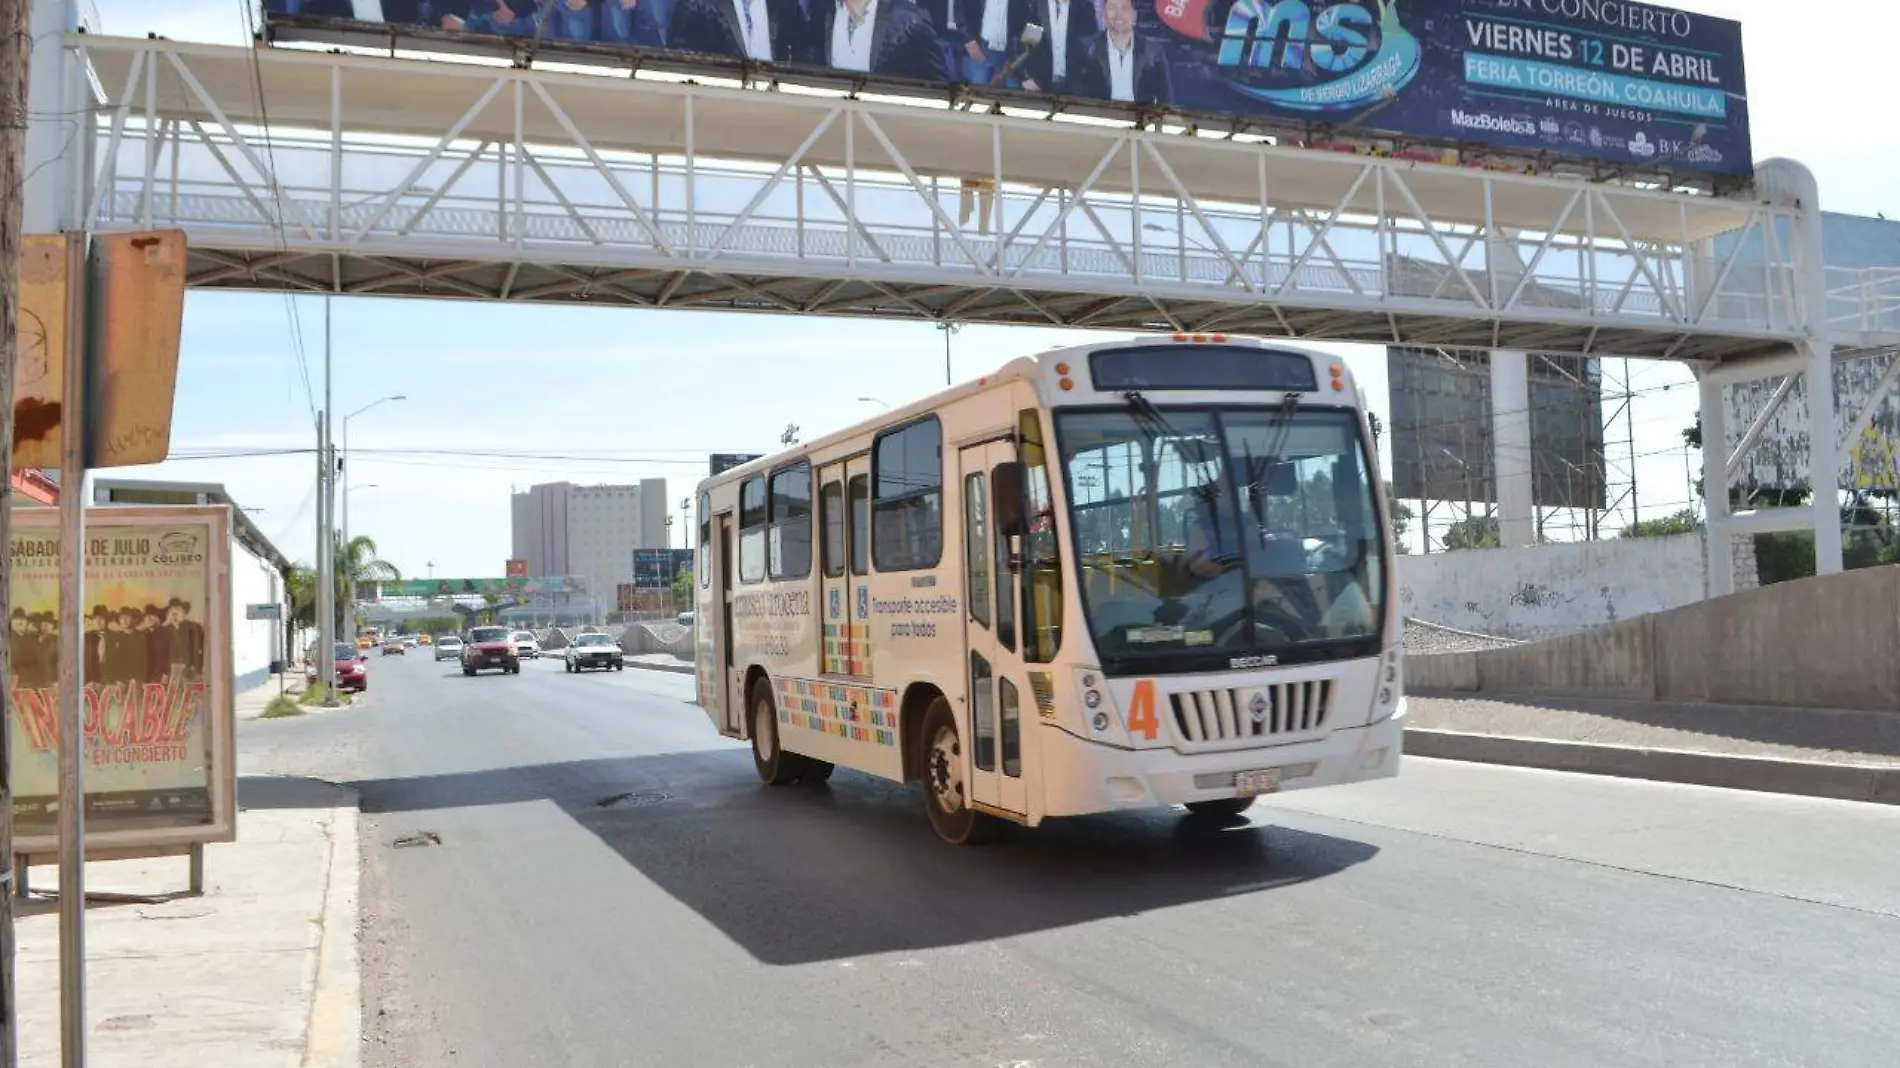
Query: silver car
[
  {"x": 448, "y": 647},
  {"x": 594, "y": 651}
]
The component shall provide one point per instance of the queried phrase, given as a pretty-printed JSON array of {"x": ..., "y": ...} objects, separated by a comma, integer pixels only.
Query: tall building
[{"x": 588, "y": 532}]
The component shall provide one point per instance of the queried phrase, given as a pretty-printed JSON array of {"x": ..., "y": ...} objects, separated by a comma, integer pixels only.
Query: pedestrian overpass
[{"x": 330, "y": 172}]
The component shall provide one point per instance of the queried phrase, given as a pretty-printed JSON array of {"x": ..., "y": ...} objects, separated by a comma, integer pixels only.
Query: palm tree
[{"x": 356, "y": 564}]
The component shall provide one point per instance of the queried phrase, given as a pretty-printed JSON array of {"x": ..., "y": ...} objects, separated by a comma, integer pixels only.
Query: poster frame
[{"x": 219, "y": 711}]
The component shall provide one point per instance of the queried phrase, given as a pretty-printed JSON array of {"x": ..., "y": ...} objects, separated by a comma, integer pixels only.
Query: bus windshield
[{"x": 1231, "y": 532}]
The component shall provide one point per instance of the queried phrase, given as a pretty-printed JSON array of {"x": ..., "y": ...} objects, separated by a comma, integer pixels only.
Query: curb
[
  {"x": 676, "y": 669},
  {"x": 1808, "y": 778},
  {"x": 334, "y": 1035}
]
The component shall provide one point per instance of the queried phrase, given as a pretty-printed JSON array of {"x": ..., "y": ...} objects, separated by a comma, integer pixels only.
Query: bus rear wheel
[
  {"x": 1226, "y": 808},
  {"x": 776, "y": 767},
  {"x": 946, "y": 788}
]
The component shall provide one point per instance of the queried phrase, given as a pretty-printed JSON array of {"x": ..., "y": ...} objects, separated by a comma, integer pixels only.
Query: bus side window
[
  {"x": 976, "y": 549},
  {"x": 752, "y": 524},
  {"x": 1042, "y": 556},
  {"x": 907, "y": 512},
  {"x": 831, "y": 516},
  {"x": 705, "y": 540},
  {"x": 1012, "y": 727},
  {"x": 860, "y": 525},
  {"x": 790, "y": 547}
]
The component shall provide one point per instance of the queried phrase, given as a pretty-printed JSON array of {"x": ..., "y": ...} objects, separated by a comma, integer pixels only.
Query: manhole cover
[
  {"x": 633, "y": 800},
  {"x": 420, "y": 838}
]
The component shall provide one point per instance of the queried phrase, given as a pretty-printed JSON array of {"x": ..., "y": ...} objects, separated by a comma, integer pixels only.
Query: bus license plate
[{"x": 1252, "y": 783}]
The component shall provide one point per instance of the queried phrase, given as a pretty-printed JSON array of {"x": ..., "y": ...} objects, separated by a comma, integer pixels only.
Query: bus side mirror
[{"x": 1010, "y": 504}]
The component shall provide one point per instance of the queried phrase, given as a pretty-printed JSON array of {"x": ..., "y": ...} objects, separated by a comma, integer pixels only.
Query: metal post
[
  {"x": 198, "y": 868},
  {"x": 72, "y": 664},
  {"x": 349, "y": 579},
  {"x": 326, "y": 533}
]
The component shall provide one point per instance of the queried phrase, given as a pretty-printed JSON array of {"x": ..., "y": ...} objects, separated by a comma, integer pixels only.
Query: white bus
[{"x": 1114, "y": 576}]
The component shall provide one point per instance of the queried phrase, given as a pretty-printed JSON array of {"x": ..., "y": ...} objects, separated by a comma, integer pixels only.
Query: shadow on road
[{"x": 810, "y": 873}]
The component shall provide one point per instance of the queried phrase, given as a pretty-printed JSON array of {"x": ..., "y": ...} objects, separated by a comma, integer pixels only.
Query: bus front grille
[{"x": 1231, "y": 715}]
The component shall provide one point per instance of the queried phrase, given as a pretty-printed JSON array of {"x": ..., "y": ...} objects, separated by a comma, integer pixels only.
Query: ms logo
[
  {"x": 835, "y": 604},
  {"x": 1316, "y": 55},
  {"x": 864, "y": 602}
]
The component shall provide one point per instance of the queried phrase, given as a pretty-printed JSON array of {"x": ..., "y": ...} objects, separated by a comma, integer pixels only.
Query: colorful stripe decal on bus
[
  {"x": 847, "y": 649},
  {"x": 859, "y": 713}
]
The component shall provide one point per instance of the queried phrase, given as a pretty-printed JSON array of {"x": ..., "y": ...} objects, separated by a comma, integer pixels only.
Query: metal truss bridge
[{"x": 329, "y": 172}]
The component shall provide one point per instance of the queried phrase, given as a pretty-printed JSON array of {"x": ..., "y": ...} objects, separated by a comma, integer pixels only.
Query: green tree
[
  {"x": 1683, "y": 522},
  {"x": 1477, "y": 532},
  {"x": 683, "y": 590},
  {"x": 356, "y": 563},
  {"x": 301, "y": 584},
  {"x": 1401, "y": 514}
]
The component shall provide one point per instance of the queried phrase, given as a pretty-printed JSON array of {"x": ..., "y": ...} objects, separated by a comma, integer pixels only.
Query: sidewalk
[
  {"x": 260, "y": 971},
  {"x": 1817, "y": 752},
  {"x": 251, "y": 703},
  {"x": 660, "y": 662}
]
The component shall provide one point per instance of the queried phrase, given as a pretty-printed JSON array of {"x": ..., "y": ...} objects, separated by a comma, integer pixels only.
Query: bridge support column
[
  {"x": 1720, "y": 549},
  {"x": 59, "y": 128},
  {"x": 1817, "y": 350},
  {"x": 1511, "y": 448}
]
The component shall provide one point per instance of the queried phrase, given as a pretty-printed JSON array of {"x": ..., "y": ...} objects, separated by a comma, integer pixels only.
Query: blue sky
[{"x": 638, "y": 394}]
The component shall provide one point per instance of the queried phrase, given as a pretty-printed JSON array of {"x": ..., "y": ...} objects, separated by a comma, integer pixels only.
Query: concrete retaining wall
[
  {"x": 661, "y": 637},
  {"x": 1548, "y": 591},
  {"x": 1827, "y": 642}
]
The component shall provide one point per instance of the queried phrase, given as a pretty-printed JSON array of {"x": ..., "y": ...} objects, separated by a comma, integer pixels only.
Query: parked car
[
  {"x": 684, "y": 619},
  {"x": 352, "y": 668},
  {"x": 527, "y": 646},
  {"x": 396, "y": 646},
  {"x": 490, "y": 647},
  {"x": 448, "y": 647},
  {"x": 594, "y": 651}
]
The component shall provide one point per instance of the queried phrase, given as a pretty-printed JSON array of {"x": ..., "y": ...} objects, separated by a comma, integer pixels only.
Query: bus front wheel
[
  {"x": 776, "y": 766},
  {"x": 946, "y": 784}
]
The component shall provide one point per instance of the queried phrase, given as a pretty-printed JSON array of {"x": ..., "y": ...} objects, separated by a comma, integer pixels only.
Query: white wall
[
  {"x": 1550, "y": 590},
  {"x": 254, "y": 643}
]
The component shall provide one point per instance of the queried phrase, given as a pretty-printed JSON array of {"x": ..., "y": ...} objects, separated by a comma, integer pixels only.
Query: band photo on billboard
[{"x": 1611, "y": 81}]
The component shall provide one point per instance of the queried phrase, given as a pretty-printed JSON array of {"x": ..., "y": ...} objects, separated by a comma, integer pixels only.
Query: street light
[
  {"x": 349, "y": 602},
  {"x": 872, "y": 400}
]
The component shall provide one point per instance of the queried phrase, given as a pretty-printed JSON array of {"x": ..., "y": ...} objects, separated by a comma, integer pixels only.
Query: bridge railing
[
  {"x": 1865, "y": 301},
  {"x": 555, "y": 203}
]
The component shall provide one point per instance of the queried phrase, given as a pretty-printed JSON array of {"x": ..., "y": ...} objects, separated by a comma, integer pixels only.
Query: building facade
[{"x": 588, "y": 532}]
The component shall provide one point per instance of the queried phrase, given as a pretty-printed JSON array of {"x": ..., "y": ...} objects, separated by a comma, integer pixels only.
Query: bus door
[
  {"x": 728, "y": 710},
  {"x": 844, "y": 493},
  {"x": 999, "y": 693}
]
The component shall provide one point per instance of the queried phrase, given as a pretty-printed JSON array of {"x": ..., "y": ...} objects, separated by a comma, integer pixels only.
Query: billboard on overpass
[{"x": 1613, "y": 80}]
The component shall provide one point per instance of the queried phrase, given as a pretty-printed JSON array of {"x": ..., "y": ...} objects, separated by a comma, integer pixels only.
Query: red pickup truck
[{"x": 490, "y": 647}]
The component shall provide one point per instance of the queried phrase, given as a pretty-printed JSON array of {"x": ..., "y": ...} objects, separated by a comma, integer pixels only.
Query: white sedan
[{"x": 527, "y": 647}]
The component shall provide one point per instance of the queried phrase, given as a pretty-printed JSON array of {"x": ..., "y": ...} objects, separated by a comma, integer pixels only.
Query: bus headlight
[
  {"x": 1092, "y": 698},
  {"x": 1100, "y": 722}
]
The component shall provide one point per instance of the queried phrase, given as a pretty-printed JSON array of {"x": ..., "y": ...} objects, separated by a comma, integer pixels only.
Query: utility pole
[
  {"x": 326, "y": 534},
  {"x": 16, "y": 43}
]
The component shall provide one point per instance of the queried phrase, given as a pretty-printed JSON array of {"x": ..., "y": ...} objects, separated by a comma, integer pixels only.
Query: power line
[{"x": 277, "y": 197}]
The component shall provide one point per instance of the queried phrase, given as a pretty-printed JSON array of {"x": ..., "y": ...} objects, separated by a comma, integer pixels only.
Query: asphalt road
[{"x": 1458, "y": 915}]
